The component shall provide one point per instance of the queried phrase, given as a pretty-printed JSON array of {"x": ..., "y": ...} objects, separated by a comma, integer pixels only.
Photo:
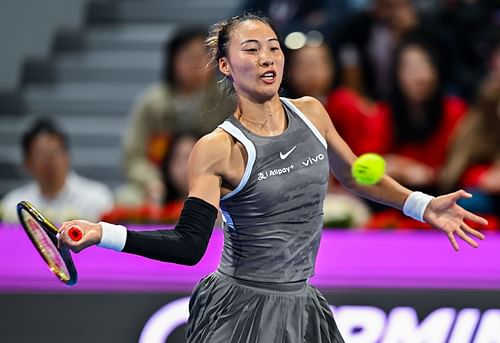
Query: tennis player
[{"x": 266, "y": 168}]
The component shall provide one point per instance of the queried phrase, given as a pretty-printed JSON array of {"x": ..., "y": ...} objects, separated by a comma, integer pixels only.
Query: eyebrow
[{"x": 256, "y": 41}]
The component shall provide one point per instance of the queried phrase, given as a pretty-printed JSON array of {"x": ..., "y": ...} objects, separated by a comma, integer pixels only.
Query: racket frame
[{"x": 51, "y": 232}]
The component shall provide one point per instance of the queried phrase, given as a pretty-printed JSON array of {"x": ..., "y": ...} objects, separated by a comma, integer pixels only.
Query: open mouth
[{"x": 268, "y": 76}]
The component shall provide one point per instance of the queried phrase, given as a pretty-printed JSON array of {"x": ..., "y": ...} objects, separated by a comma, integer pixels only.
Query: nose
[{"x": 265, "y": 59}]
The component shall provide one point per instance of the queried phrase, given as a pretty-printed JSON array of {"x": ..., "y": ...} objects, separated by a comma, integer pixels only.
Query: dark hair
[
  {"x": 406, "y": 129},
  {"x": 172, "y": 47},
  {"x": 219, "y": 36},
  {"x": 39, "y": 127},
  {"x": 172, "y": 193}
]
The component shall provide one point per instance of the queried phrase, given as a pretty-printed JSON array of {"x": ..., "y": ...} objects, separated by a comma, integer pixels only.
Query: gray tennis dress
[{"x": 272, "y": 228}]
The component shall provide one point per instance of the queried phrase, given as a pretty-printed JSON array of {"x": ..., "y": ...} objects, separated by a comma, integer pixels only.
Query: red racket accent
[{"x": 75, "y": 233}]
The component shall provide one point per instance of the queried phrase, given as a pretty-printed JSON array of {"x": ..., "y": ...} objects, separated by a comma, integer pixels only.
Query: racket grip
[{"x": 75, "y": 233}]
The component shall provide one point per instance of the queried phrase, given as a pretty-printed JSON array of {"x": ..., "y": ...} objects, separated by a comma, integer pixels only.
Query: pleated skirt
[{"x": 223, "y": 309}]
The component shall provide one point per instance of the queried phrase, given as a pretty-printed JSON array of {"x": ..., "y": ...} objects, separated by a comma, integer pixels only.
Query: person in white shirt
[{"x": 56, "y": 190}]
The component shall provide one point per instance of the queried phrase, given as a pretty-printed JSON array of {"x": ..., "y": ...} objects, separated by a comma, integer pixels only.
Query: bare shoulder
[
  {"x": 212, "y": 152},
  {"x": 306, "y": 102},
  {"x": 216, "y": 166},
  {"x": 314, "y": 110}
]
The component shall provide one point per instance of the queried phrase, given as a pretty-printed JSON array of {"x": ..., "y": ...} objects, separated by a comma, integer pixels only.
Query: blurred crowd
[{"x": 415, "y": 81}]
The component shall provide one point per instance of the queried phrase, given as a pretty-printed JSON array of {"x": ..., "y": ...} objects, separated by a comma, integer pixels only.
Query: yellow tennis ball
[{"x": 368, "y": 169}]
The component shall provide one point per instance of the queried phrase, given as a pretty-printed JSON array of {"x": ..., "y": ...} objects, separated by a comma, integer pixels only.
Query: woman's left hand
[{"x": 444, "y": 214}]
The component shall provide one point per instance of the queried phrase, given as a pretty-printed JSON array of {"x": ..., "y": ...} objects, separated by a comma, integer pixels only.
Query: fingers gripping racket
[{"x": 43, "y": 235}]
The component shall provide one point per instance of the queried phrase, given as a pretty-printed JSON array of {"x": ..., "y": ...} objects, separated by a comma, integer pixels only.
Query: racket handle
[{"x": 75, "y": 233}]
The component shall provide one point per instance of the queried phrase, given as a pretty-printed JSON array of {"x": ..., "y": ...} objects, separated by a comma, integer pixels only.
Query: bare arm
[
  {"x": 206, "y": 167},
  {"x": 442, "y": 212},
  {"x": 187, "y": 243},
  {"x": 341, "y": 158}
]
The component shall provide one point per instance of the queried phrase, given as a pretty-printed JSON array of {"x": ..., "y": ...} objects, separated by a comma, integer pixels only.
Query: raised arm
[
  {"x": 185, "y": 244},
  {"x": 441, "y": 212}
]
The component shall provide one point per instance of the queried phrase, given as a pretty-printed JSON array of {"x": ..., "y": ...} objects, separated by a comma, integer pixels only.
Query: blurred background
[{"x": 101, "y": 102}]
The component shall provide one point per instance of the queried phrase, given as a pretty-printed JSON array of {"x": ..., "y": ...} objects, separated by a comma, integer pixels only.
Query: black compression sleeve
[{"x": 185, "y": 244}]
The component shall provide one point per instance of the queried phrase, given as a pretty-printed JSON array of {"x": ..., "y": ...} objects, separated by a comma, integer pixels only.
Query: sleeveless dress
[{"x": 272, "y": 227}]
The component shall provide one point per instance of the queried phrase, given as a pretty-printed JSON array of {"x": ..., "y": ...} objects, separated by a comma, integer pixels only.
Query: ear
[{"x": 224, "y": 66}]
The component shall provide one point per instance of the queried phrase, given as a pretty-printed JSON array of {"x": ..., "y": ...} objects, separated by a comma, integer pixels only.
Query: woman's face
[
  {"x": 48, "y": 161},
  {"x": 416, "y": 74},
  {"x": 311, "y": 71},
  {"x": 255, "y": 61},
  {"x": 189, "y": 66}
]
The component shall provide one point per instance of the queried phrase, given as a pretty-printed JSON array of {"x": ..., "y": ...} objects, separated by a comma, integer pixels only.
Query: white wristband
[
  {"x": 415, "y": 205},
  {"x": 113, "y": 236}
]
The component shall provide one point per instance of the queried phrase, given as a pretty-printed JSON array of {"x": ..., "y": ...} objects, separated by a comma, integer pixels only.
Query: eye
[
  {"x": 251, "y": 49},
  {"x": 275, "y": 48}
]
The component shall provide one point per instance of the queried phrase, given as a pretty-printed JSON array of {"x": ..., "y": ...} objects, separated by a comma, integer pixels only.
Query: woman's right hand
[{"x": 92, "y": 234}]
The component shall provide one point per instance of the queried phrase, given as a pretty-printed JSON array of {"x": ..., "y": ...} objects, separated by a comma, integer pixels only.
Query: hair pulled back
[{"x": 219, "y": 36}]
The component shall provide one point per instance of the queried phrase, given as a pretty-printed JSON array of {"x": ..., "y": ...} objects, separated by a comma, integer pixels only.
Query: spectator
[
  {"x": 414, "y": 128},
  {"x": 355, "y": 114},
  {"x": 423, "y": 118},
  {"x": 367, "y": 43},
  {"x": 474, "y": 158},
  {"x": 310, "y": 71},
  {"x": 186, "y": 99},
  {"x": 175, "y": 167},
  {"x": 57, "y": 191}
]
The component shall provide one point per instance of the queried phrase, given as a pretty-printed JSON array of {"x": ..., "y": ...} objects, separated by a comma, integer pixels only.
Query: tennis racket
[{"x": 43, "y": 235}]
